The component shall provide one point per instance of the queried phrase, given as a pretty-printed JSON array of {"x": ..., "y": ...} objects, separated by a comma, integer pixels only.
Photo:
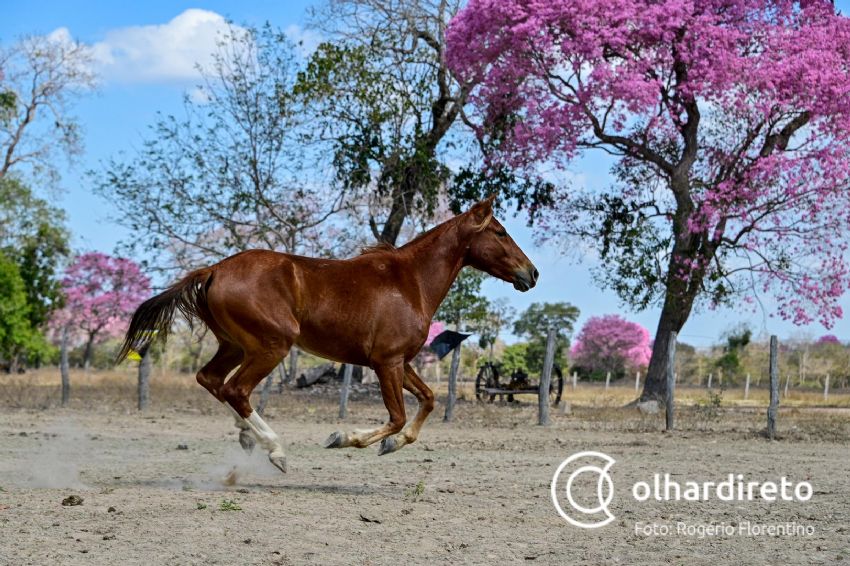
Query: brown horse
[{"x": 371, "y": 310}]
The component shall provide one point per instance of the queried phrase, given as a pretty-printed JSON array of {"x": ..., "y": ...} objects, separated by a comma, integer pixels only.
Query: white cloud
[
  {"x": 306, "y": 40},
  {"x": 157, "y": 53}
]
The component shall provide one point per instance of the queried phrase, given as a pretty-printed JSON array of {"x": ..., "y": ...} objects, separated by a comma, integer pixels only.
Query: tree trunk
[
  {"x": 89, "y": 350},
  {"x": 144, "y": 380},
  {"x": 264, "y": 394},
  {"x": 675, "y": 313},
  {"x": 63, "y": 368},
  {"x": 293, "y": 364},
  {"x": 450, "y": 401}
]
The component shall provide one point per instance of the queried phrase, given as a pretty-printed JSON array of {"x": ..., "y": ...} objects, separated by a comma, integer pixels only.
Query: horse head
[{"x": 492, "y": 250}]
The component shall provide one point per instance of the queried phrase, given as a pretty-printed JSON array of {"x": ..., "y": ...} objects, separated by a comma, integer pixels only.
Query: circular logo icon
[{"x": 594, "y": 517}]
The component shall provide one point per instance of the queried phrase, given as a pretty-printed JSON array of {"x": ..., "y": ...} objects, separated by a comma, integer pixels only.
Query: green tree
[
  {"x": 464, "y": 306},
  {"x": 17, "y": 336},
  {"x": 534, "y": 324},
  {"x": 515, "y": 358},
  {"x": 391, "y": 112},
  {"x": 499, "y": 315},
  {"x": 33, "y": 235},
  {"x": 736, "y": 341}
]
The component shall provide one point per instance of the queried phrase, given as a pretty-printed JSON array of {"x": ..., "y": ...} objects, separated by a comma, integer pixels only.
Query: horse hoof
[
  {"x": 247, "y": 441},
  {"x": 335, "y": 440},
  {"x": 389, "y": 444},
  {"x": 279, "y": 462}
]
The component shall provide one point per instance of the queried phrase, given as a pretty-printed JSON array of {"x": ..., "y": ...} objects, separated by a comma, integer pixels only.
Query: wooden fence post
[
  {"x": 774, "y": 389},
  {"x": 264, "y": 393},
  {"x": 826, "y": 388},
  {"x": 546, "y": 379},
  {"x": 747, "y": 388},
  {"x": 671, "y": 381},
  {"x": 607, "y": 380},
  {"x": 709, "y": 380},
  {"x": 787, "y": 383},
  {"x": 63, "y": 368},
  {"x": 450, "y": 402},
  {"x": 637, "y": 382},
  {"x": 575, "y": 380},
  {"x": 343, "y": 393},
  {"x": 293, "y": 364},
  {"x": 720, "y": 378},
  {"x": 145, "y": 366}
]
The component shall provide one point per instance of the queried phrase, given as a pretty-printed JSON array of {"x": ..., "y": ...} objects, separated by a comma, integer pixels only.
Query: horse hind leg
[
  {"x": 212, "y": 377},
  {"x": 236, "y": 393},
  {"x": 213, "y": 374},
  {"x": 409, "y": 434}
]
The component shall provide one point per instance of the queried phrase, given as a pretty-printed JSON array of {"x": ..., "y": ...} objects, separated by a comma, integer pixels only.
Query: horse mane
[
  {"x": 379, "y": 247},
  {"x": 386, "y": 247}
]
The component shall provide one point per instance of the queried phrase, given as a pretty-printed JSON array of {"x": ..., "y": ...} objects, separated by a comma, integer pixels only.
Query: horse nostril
[{"x": 534, "y": 274}]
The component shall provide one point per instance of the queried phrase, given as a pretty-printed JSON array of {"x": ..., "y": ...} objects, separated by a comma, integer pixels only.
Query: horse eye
[{"x": 502, "y": 233}]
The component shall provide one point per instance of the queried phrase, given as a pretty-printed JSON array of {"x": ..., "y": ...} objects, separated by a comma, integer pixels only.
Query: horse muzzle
[{"x": 525, "y": 279}]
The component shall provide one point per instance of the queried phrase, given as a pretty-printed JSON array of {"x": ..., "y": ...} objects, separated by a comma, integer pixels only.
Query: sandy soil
[{"x": 472, "y": 492}]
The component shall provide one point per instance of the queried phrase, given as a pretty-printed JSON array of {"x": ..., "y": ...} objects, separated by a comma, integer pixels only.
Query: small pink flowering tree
[
  {"x": 728, "y": 123},
  {"x": 611, "y": 343},
  {"x": 101, "y": 293},
  {"x": 828, "y": 339}
]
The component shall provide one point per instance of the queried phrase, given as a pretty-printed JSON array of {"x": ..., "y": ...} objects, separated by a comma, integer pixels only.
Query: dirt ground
[{"x": 472, "y": 492}]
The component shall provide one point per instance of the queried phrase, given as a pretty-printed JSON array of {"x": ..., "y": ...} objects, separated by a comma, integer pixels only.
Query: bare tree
[
  {"x": 41, "y": 78},
  {"x": 231, "y": 174}
]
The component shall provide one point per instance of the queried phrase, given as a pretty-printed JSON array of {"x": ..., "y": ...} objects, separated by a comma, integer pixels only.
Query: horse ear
[{"x": 482, "y": 212}]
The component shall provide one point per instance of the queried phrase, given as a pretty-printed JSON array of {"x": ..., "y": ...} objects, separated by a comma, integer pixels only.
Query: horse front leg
[
  {"x": 408, "y": 435},
  {"x": 391, "y": 378}
]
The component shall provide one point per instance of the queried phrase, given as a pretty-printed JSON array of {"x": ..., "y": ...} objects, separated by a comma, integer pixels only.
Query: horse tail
[{"x": 152, "y": 320}]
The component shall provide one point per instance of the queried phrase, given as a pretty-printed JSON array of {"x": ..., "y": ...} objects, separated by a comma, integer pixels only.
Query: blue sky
[{"x": 115, "y": 120}]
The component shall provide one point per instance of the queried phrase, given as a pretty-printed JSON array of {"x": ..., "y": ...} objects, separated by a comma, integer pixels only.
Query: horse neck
[{"x": 436, "y": 258}]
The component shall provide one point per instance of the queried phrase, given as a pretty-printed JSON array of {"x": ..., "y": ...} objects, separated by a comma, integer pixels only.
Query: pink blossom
[
  {"x": 101, "y": 293},
  {"x": 767, "y": 213},
  {"x": 611, "y": 343}
]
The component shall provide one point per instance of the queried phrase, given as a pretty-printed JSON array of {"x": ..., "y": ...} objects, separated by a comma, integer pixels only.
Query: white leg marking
[{"x": 267, "y": 438}]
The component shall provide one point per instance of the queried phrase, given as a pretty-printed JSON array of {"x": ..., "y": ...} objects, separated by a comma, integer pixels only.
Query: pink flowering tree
[
  {"x": 727, "y": 125},
  {"x": 101, "y": 293},
  {"x": 611, "y": 343},
  {"x": 828, "y": 339}
]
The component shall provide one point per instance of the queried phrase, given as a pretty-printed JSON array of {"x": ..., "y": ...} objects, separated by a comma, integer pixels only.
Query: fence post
[
  {"x": 671, "y": 381},
  {"x": 747, "y": 388},
  {"x": 546, "y": 379},
  {"x": 826, "y": 388},
  {"x": 145, "y": 366},
  {"x": 709, "y": 380},
  {"x": 774, "y": 389},
  {"x": 607, "y": 380},
  {"x": 343, "y": 394},
  {"x": 637, "y": 382},
  {"x": 575, "y": 380},
  {"x": 720, "y": 378},
  {"x": 450, "y": 402},
  {"x": 787, "y": 383},
  {"x": 264, "y": 393},
  {"x": 63, "y": 368}
]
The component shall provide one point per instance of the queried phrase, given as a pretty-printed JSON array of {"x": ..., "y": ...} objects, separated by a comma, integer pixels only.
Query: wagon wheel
[
  {"x": 487, "y": 377},
  {"x": 556, "y": 386}
]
